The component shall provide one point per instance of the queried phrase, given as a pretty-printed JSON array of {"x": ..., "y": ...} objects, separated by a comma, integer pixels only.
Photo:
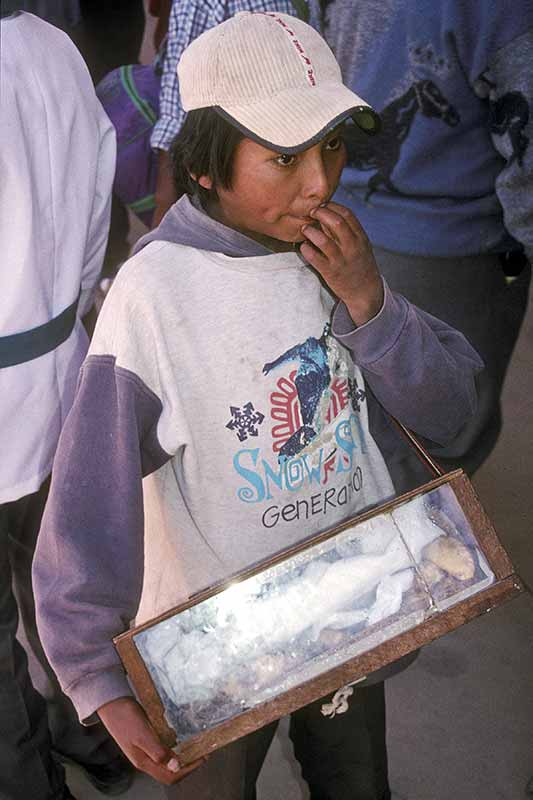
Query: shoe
[{"x": 112, "y": 778}]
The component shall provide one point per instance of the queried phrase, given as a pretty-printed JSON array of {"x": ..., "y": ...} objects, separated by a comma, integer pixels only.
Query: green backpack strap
[{"x": 302, "y": 9}]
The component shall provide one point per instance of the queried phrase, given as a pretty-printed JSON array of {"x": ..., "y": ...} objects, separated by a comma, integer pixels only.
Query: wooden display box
[{"x": 320, "y": 615}]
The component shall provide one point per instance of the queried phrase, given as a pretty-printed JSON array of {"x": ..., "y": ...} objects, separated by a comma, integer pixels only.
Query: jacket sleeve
[
  {"x": 98, "y": 229},
  {"x": 88, "y": 566},
  {"x": 420, "y": 369},
  {"x": 507, "y": 83}
]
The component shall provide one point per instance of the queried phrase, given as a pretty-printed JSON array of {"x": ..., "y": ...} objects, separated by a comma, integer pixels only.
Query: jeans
[
  {"x": 342, "y": 758},
  {"x": 33, "y": 725},
  {"x": 472, "y": 295}
]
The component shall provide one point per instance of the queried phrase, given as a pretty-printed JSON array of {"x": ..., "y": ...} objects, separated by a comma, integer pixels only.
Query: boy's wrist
[
  {"x": 93, "y": 691},
  {"x": 366, "y": 305},
  {"x": 369, "y": 343},
  {"x": 108, "y": 709}
]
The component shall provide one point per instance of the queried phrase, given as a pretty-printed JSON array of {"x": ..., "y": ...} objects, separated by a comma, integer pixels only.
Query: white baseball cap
[{"x": 273, "y": 77}]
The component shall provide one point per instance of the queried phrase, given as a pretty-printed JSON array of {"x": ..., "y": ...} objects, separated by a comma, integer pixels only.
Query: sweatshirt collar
[{"x": 188, "y": 224}]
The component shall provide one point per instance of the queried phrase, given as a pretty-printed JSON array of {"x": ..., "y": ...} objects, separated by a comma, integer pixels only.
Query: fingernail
[
  {"x": 173, "y": 765},
  {"x": 323, "y": 204}
]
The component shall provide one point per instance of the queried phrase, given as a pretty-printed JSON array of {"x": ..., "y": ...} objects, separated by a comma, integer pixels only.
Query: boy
[{"x": 221, "y": 369}]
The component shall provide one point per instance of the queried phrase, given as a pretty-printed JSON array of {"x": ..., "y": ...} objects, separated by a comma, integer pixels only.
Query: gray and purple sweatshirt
[{"x": 227, "y": 409}]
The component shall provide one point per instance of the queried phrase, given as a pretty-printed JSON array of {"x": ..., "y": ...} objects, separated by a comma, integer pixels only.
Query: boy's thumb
[{"x": 173, "y": 764}]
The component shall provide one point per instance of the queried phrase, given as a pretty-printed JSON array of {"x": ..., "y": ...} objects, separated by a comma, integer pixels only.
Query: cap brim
[{"x": 292, "y": 121}]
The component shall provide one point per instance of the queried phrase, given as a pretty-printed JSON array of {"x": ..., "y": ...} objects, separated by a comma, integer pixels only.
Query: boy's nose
[{"x": 316, "y": 184}]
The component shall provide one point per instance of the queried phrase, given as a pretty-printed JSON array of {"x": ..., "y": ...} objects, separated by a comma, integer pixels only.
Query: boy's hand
[
  {"x": 341, "y": 253},
  {"x": 129, "y": 726}
]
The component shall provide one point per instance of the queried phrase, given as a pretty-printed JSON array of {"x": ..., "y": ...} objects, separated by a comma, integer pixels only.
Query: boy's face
[{"x": 272, "y": 194}]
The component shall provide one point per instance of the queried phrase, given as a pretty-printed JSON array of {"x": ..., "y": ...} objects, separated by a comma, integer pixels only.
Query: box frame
[{"x": 507, "y": 585}]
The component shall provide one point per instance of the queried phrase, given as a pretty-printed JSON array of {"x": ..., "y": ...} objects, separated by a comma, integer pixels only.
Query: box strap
[{"x": 421, "y": 452}]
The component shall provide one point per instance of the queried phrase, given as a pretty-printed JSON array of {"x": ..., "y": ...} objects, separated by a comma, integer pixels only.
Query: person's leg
[
  {"x": 229, "y": 773},
  {"x": 27, "y": 769},
  {"x": 472, "y": 295},
  {"x": 221, "y": 777},
  {"x": 257, "y": 745},
  {"x": 344, "y": 757},
  {"x": 513, "y": 307},
  {"x": 90, "y": 747}
]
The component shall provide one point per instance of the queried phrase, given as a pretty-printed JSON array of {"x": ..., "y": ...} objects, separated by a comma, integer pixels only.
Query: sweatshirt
[
  {"x": 451, "y": 173},
  {"x": 228, "y": 409}
]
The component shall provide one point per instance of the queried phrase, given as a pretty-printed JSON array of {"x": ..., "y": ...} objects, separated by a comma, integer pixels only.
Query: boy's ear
[{"x": 204, "y": 181}]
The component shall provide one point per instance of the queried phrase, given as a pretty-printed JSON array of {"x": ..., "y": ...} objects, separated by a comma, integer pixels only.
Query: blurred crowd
[{"x": 444, "y": 192}]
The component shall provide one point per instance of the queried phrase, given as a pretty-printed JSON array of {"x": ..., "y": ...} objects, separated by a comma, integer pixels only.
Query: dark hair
[{"x": 205, "y": 145}]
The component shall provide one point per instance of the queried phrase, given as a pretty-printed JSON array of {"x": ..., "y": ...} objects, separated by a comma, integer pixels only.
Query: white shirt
[{"x": 57, "y": 162}]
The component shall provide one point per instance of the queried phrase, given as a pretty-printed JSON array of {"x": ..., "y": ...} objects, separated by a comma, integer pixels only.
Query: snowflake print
[{"x": 245, "y": 421}]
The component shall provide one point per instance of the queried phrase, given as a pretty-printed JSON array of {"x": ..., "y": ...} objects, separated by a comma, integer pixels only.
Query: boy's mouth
[{"x": 307, "y": 221}]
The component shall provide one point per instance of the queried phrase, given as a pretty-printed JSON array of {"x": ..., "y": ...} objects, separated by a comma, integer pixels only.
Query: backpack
[{"x": 130, "y": 97}]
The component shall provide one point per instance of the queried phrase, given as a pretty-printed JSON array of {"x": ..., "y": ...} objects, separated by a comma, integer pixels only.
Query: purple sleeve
[
  {"x": 420, "y": 369},
  {"x": 88, "y": 565}
]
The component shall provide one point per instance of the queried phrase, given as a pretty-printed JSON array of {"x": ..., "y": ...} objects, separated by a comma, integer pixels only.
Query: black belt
[{"x": 21, "y": 347}]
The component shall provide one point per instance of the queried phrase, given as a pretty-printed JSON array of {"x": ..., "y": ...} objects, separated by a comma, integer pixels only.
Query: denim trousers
[
  {"x": 342, "y": 757},
  {"x": 33, "y": 723}
]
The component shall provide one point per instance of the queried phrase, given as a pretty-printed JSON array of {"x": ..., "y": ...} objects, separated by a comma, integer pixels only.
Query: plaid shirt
[{"x": 188, "y": 19}]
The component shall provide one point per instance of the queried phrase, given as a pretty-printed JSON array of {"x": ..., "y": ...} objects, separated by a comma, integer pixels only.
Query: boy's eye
[
  {"x": 334, "y": 143},
  {"x": 285, "y": 160}
]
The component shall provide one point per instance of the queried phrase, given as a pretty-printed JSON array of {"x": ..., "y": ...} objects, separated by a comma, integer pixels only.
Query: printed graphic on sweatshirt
[
  {"x": 311, "y": 381},
  {"x": 382, "y": 152},
  {"x": 245, "y": 421},
  {"x": 317, "y": 440},
  {"x": 508, "y": 116}
]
